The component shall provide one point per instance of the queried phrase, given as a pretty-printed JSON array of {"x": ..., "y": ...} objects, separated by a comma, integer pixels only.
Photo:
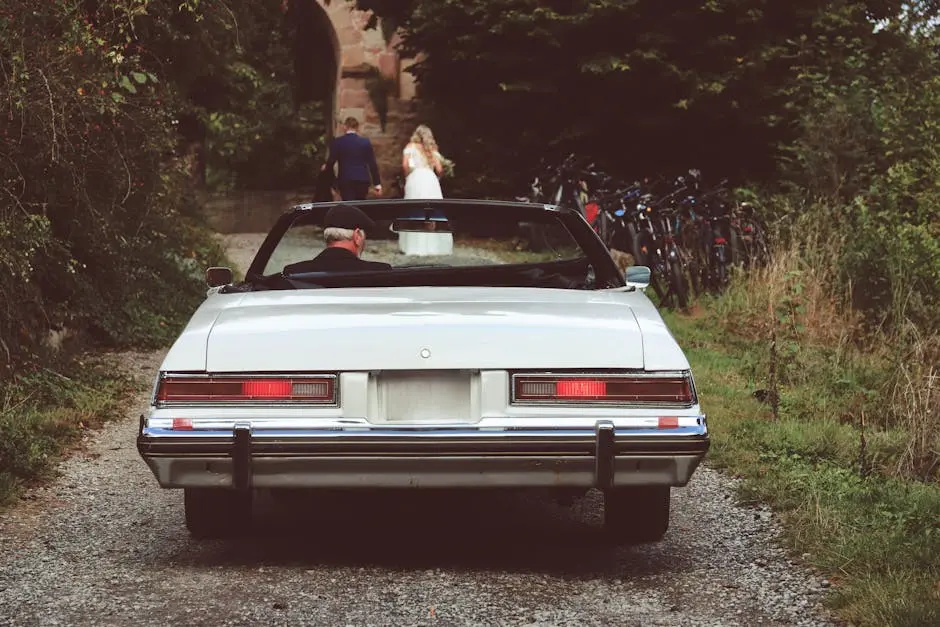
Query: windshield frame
[{"x": 608, "y": 274}]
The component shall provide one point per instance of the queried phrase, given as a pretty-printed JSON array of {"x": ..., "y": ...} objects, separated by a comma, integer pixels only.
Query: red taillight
[
  {"x": 267, "y": 388},
  {"x": 666, "y": 390},
  {"x": 214, "y": 389},
  {"x": 580, "y": 388}
]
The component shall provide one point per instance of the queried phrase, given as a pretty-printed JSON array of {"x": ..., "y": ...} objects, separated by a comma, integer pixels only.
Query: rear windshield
[{"x": 422, "y": 242}]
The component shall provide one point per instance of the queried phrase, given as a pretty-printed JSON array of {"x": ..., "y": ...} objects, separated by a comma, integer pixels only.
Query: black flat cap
[{"x": 348, "y": 217}]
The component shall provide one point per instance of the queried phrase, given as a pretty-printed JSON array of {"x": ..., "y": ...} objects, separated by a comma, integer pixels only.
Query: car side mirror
[
  {"x": 216, "y": 276},
  {"x": 638, "y": 276}
]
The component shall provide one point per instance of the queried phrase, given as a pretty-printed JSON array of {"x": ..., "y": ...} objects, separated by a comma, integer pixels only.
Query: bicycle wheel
[
  {"x": 658, "y": 281},
  {"x": 603, "y": 227},
  {"x": 721, "y": 275},
  {"x": 735, "y": 248},
  {"x": 632, "y": 243},
  {"x": 696, "y": 277},
  {"x": 678, "y": 284}
]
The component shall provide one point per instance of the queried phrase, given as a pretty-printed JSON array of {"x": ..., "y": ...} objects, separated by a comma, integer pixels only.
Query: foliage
[
  {"x": 832, "y": 467},
  {"x": 97, "y": 228},
  {"x": 641, "y": 86},
  {"x": 44, "y": 411},
  {"x": 833, "y": 103},
  {"x": 111, "y": 121},
  {"x": 866, "y": 162},
  {"x": 245, "y": 105}
]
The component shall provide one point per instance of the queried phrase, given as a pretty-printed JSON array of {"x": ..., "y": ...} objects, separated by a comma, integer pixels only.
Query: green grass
[
  {"x": 876, "y": 535},
  {"x": 45, "y": 413}
]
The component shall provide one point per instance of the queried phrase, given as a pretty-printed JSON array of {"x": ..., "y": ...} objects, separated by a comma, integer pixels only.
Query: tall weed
[
  {"x": 821, "y": 359},
  {"x": 915, "y": 406}
]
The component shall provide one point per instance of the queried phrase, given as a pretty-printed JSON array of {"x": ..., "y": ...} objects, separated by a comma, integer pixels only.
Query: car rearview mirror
[
  {"x": 638, "y": 276},
  {"x": 419, "y": 225},
  {"x": 216, "y": 276}
]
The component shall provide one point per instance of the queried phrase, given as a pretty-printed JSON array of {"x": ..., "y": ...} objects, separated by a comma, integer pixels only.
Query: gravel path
[{"x": 105, "y": 545}]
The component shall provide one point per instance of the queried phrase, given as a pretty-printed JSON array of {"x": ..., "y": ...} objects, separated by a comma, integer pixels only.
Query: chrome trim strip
[
  {"x": 335, "y": 402},
  {"x": 325, "y": 419},
  {"x": 659, "y": 374},
  {"x": 379, "y": 434}
]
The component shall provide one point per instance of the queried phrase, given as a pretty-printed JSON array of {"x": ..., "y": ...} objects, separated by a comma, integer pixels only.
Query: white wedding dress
[
  {"x": 422, "y": 181},
  {"x": 422, "y": 184}
]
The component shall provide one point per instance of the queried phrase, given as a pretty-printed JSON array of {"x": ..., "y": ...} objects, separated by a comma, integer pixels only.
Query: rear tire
[
  {"x": 695, "y": 278},
  {"x": 735, "y": 249},
  {"x": 636, "y": 241},
  {"x": 721, "y": 274},
  {"x": 604, "y": 228},
  {"x": 216, "y": 512},
  {"x": 679, "y": 284},
  {"x": 636, "y": 514}
]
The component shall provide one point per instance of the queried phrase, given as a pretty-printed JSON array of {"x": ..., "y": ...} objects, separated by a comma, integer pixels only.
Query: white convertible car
[{"x": 493, "y": 366}]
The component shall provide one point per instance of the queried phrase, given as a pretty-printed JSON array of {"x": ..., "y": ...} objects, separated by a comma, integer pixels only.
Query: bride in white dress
[{"x": 422, "y": 164}]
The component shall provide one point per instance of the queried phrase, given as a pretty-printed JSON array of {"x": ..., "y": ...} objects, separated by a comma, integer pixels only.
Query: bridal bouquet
[{"x": 447, "y": 166}]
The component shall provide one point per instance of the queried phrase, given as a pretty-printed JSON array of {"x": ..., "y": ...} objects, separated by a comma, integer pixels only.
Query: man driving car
[{"x": 344, "y": 230}]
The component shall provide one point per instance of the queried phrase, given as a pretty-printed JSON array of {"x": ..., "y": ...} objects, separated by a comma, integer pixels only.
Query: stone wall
[{"x": 360, "y": 53}]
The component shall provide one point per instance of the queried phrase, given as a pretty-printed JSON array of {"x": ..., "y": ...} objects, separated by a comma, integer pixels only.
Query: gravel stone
[{"x": 105, "y": 545}]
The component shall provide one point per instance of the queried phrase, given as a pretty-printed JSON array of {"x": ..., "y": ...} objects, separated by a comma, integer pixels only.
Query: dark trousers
[{"x": 353, "y": 190}]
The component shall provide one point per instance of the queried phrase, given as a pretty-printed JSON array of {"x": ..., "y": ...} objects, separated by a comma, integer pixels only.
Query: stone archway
[{"x": 362, "y": 57}]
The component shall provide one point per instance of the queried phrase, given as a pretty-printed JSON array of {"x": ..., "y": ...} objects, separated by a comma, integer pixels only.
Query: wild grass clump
[
  {"x": 831, "y": 413},
  {"x": 845, "y": 458},
  {"x": 880, "y": 382},
  {"x": 915, "y": 406},
  {"x": 44, "y": 412}
]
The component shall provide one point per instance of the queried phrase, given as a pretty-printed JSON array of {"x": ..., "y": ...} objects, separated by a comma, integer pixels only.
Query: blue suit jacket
[{"x": 355, "y": 157}]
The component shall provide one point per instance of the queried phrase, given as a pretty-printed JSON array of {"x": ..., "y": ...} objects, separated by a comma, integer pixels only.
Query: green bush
[
  {"x": 95, "y": 213},
  {"x": 866, "y": 165},
  {"x": 100, "y": 229}
]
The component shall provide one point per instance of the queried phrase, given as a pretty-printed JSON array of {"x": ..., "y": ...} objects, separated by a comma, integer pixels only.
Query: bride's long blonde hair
[{"x": 423, "y": 138}]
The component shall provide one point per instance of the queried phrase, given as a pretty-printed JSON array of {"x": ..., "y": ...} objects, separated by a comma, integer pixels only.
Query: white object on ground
[{"x": 424, "y": 243}]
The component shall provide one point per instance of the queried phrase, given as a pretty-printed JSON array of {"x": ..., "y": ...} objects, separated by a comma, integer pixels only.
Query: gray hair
[{"x": 336, "y": 234}]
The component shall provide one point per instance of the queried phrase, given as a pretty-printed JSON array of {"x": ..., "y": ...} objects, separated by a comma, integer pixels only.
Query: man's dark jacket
[
  {"x": 335, "y": 259},
  {"x": 356, "y": 159}
]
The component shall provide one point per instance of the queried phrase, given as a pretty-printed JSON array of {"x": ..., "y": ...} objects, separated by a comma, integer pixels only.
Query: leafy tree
[
  {"x": 251, "y": 119},
  {"x": 642, "y": 85},
  {"x": 866, "y": 159},
  {"x": 833, "y": 101},
  {"x": 96, "y": 228}
]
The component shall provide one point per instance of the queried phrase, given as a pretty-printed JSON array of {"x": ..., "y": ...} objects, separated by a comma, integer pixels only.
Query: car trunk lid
[{"x": 371, "y": 329}]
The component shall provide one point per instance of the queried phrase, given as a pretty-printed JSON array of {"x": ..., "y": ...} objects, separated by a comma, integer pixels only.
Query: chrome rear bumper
[{"x": 447, "y": 457}]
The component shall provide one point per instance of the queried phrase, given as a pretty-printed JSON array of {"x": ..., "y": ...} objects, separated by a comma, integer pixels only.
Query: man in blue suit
[{"x": 357, "y": 165}]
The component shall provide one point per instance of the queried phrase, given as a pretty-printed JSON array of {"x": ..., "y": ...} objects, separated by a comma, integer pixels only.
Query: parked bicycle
[{"x": 690, "y": 236}]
